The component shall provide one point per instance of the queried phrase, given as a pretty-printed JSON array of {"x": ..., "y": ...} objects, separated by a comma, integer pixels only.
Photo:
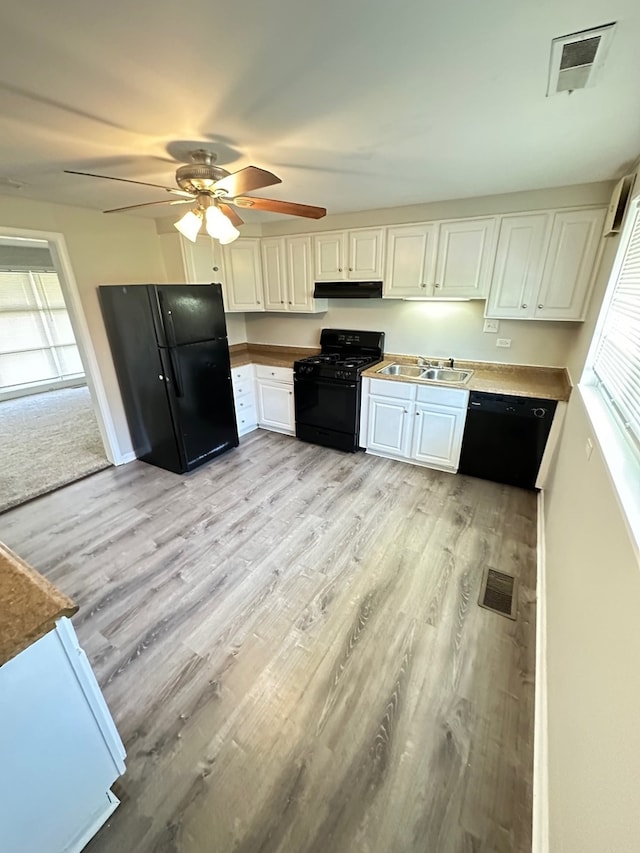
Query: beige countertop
[
  {"x": 274, "y": 356},
  {"x": 29, "y": 605},
  {"x": 551, "y": 383}
]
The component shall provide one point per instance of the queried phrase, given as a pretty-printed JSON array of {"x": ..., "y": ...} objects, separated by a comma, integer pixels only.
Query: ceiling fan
[{"x": 214, "y": 191}]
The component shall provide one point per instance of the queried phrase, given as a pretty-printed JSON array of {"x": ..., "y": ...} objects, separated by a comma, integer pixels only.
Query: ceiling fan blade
[
  {"x": 148, "y": 204},
  {"x": 246, "y": 180},
  {"x": 276, "y": 206},
  {"x": 230, "y": 213},
  {"x": 128, "y": 181}
]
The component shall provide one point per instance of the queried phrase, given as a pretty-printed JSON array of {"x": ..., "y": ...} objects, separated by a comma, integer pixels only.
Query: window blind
[
  {"x": 37, "y": 344},
  {"x": 617, "y": 357}
]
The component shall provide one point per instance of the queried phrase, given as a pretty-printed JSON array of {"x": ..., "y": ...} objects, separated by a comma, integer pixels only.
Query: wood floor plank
[{"x": 290, "y": 642}]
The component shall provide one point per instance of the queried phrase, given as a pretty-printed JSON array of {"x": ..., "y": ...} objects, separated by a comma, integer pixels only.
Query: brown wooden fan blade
[
  {"x": 230, "y": 213},
  {"x": 125, "y": 180},
  {"x": 246, "y": 180},
  {"x": 276, "y": 206},
  {"x": 149, "y": 203}
]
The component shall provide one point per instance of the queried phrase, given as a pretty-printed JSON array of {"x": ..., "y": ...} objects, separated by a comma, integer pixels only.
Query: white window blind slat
[
  {"x": 37, "y": 344},
  {"x": 617, "y": 359}
]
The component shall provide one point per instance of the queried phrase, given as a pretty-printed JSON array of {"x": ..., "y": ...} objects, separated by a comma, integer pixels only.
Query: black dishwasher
[{"x": 504, "y": 437}]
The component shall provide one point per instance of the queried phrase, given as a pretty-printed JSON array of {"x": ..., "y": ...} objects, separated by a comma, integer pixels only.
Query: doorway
[{"x": 52, "y": 427}]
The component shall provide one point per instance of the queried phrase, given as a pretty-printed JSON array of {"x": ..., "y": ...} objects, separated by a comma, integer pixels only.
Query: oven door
[{"x": 328, "y": 404}]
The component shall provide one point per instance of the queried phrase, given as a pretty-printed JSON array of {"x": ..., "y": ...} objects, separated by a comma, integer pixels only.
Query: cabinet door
[
  {"x": 275, "y": 406},
  {"x": 437, "y": 435},
  {"x": 202, "y": 260},
  {"x": 330, "y": 251},
  {"x": 389, "y": 426},
  {"x": 243, "y": 276},
  {"x": 300, "y": 275},
  {"x": 568, "y": 269},
  {"x": 518, "y": 268},
  {"x": 411, "y": 260},
  {"x": 466, "y": 251},
  {"x": 365, "y": 253},
  {"x": 274, "y": 274}
]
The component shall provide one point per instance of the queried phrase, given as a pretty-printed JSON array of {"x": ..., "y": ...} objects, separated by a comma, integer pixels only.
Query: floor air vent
[{"x": 498, "y": 593}]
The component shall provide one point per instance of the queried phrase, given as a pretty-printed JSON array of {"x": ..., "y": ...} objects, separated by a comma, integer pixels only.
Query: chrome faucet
[{"x": 426, "y": 362}]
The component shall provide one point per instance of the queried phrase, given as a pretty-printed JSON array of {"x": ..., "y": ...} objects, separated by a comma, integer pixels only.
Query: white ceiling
[{"x": 355, "y": 104}]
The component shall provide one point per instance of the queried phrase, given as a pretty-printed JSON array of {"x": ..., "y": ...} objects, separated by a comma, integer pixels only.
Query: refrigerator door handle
[
  {"x": 177, "y": 374},
  {"x": 167, "y": 317}
]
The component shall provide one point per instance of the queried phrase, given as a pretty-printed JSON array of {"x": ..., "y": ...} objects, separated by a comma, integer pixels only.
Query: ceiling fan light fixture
[
  {"x": 189, "y": 225},
  {"x": 219, "y": 226}
]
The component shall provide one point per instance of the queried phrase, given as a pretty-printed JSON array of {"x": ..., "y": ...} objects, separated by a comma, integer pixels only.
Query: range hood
[{"x": 348, "y": 290}]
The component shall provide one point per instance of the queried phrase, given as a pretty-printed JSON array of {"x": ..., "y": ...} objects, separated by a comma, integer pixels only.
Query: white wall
[
  {"x": 593, "y": 639},
  {"x": 103, "y": 249}
]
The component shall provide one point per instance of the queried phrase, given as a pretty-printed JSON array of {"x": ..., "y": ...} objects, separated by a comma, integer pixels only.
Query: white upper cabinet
[
  {"x": 544, "y": 265},
  {"x": 466, "y": 250},
  {"x": 202, "y": 260},
  {"x": 411, "y": 260},
  {"x": 342, "y": 255},
  {"x": 287, "y": 273},
  {"x": 575, "y": 237},
  {"x": 519, "y": 264},
  {"x": 242, "y": 284},
  {"x": 274, "y": 274},
  {"x": 440, "y": 259}
]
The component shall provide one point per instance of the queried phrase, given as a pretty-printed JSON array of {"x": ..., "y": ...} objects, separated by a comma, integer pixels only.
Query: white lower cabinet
[
  {"x": 60, "y": 750},
  {"x": 274, "y": 393},
  {"x": 422, "y": 424},
  {"x": 244, "y": 398}
]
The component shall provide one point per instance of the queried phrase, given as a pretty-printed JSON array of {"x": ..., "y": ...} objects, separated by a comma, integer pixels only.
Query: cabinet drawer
[
  {"x": 396, "y": 390},
  {"x": 242, "y": 374},
  {"x": 443, "y": 396},
  {"x": 279, "y": 374},
  {"x": 246, "y": 419},
  {"x": 240, "y": 389},
  {"x": 247, "y": 401}
]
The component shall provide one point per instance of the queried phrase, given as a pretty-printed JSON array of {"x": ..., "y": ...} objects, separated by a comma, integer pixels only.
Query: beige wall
[
  {"x": 103, "y": 250},
  {"x": 593, "y": 649},
  {"x": 440, "y": 329},
  {"x": 593, "y": 639}
]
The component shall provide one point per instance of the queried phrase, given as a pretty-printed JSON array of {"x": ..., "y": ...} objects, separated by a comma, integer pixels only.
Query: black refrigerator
[{"x": 170, "y": 351}]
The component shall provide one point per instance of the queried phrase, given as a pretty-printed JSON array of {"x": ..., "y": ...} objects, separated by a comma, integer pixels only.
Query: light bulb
[
  {"x": 189, "y": 225},
  {"x": 219, "y": 226}
]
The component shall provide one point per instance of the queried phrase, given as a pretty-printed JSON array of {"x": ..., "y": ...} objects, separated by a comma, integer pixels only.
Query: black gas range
[{"x": 327, "y": 387}]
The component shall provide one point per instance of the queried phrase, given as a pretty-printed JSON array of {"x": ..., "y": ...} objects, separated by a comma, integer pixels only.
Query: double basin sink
[{"x": 429, "y": 374}]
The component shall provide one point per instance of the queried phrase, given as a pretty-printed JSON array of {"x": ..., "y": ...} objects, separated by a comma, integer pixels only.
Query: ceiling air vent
[{"x": 576, "y": 59}]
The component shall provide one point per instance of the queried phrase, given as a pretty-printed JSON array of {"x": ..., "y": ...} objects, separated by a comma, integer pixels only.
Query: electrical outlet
[
  {"x": 588, "y": 449},
  {"x": 503, "y": 342},
  {"x": 491, "y": 325}
]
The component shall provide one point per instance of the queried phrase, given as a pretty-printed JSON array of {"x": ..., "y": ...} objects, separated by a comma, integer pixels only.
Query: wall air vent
[{"x": 576, "y": 59}]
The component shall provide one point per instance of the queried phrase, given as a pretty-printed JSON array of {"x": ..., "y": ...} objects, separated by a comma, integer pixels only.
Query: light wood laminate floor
[{"x": 290, "y": 643}]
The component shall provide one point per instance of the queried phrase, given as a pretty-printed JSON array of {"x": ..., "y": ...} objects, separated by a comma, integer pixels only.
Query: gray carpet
[{"x": 46, "y": 441}]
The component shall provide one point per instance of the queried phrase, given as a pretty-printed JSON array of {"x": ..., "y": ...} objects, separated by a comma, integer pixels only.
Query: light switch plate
[{"x": 491, "y": 325}]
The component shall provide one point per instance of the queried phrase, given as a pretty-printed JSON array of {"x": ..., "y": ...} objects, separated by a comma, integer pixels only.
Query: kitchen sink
[
  {"x": 446, "y": 374},
  {"x": 411, "y": 370},
  {"x": 429, "y": 374}
]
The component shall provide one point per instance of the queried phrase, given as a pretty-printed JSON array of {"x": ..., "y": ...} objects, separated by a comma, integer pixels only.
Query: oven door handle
[{"x": 327, "y": 383}]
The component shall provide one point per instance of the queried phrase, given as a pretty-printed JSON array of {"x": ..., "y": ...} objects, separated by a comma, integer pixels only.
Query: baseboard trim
[
  {"x": 540, "y": 826},
  {"x": 124, "y": 458}
]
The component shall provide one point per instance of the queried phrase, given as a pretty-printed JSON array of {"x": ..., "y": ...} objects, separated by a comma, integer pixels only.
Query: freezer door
[
  {"x": 188, "y": 313},
  {"x": 202, "y": 399},
  {"x": 141, "y": 377}
]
